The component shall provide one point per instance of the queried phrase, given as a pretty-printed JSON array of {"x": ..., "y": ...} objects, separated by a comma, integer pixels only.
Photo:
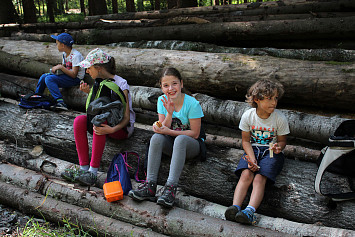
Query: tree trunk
[
  {"x": 29, "y": 10},
  {"x": 227, "y": 76},
  {"x": 292, "y": 196},
  {"x": 130, "y": 7},
  {"x": 114, "y": 6},
  {"x": 99, "y": 7},
  {"x": 7, "y": 12},
  {"x": 167, "y": 223},
  {"x": 266, "y": 8},
  {"x": 82, "y": 7},
  {"x": 156, "y": 4},
  {"x": 50, "y": 10},
  {"x": 59, "y": 212},
  {"x": 52, "y": 166},
  {"x": 216, "y": 111}
]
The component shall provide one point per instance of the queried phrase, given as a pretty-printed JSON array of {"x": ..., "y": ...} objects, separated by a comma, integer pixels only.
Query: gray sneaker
[
  {"x": 87, "y": 178},
  {"x": 167, "y": 199},
  {"x": 145, "y": 191},
  {"x": 231, "y": 212},
  {"x": 60, "y": 106},
  {"x": 245, "y": 217}
]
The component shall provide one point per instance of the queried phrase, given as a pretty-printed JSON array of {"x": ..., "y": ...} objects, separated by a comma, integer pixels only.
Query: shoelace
[
  {"x": 169, "y": 189},
  {"x": 250, "y": 215}
]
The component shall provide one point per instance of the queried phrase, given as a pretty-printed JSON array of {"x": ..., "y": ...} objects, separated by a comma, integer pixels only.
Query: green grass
[
  {"x": 64, "y": 18},
  {"x": 34, "y": 229}
]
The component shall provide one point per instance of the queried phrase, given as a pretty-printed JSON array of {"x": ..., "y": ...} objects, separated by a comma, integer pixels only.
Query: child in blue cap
[{"x": 64, "y": 75}]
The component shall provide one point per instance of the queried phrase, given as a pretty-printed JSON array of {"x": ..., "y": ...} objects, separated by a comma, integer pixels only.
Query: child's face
[
  {"x": 267, "y": 105},
  {"x": 60, "y": 46},
  {"x": 93, "y": 72},
  {"x": 171, "y": 86}
]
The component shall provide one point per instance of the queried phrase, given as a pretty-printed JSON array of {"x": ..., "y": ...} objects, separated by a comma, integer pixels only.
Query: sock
[
  {"x": 239, "y": 208},
  {"x": 84, "y": 167},
  {"x": 251, "y": 208},
  {"x": 93, "y": 170},
  {"x": 60, "y": 101}
]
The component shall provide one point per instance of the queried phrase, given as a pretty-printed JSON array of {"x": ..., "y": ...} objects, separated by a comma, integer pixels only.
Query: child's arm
[
  {"x": 106, "y": 129},
  {"x": 280, "y": 145},
  {"x": 249, "y": 150},
  {"x": 72, "y": 73}
]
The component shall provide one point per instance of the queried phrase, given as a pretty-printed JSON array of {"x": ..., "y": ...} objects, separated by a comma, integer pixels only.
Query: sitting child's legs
[{"x": 41, "y": 85}]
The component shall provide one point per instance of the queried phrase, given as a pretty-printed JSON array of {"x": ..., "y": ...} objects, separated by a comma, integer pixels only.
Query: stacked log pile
[
  {"x": 286, "y": 24},
  {"x": 318, "y": 98}
]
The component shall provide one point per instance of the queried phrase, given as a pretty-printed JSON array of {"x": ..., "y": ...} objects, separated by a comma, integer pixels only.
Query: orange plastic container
[{"x": 113, "y": 191}]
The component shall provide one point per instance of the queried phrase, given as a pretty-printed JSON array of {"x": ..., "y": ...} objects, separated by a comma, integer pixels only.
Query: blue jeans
[{"x": 54, "y": 82}]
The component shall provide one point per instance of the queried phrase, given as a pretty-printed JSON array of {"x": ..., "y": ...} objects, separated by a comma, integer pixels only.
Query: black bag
[
  {"x": 338, "y": 158},
  {"x": 36, "y": 101}
]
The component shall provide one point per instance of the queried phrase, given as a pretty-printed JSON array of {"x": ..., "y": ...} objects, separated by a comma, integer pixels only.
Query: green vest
[{"x": 112, "y": 86}]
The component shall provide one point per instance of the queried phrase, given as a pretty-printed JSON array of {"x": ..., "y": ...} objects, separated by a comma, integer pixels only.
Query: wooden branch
[
  {"x": 218, "y": 75},
  {"x": 292, "y": 197}
]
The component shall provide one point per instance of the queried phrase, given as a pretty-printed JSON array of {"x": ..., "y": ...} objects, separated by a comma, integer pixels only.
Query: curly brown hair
[{"x": 263, "y": 88}]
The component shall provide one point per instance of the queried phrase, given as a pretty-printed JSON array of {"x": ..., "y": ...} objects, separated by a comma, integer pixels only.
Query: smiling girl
[{"x": 180, "y": 115}]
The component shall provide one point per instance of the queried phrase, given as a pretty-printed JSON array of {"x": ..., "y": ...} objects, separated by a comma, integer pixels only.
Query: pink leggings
[{"x": 98, "y": 142}]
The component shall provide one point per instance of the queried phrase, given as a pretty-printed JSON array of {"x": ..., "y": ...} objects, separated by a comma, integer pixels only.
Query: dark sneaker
[
  {"x": 87, "y": 178},
  {"x": 167, "y": 199},
  {"x": 245, "y": 217},
  {"x": 231, "y": 212},
  {"x": 72, "y": 174},
  {"x": 145, "y": 191},
  {"x": 61, "y": 106}
]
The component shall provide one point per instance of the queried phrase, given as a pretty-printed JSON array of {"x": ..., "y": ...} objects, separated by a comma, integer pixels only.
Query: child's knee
[
  {"x": 246, "y": 176},
  {"x": 259, "y": 180}
]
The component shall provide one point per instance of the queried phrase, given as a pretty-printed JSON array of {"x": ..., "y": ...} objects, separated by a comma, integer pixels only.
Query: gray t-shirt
[{"x": 264, "y": 131}]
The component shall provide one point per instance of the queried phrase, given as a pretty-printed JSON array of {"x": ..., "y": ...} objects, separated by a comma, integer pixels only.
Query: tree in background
[
  {"x": 97, "y": 7},
  {"x": 50, "y": 10},
  {"x": 130, "y": 6},
  {"x": 7, "y": 12},
  {"x": 29, "y": 11}
]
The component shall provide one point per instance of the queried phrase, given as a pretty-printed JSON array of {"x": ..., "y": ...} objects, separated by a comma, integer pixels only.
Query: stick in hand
[
  {"x": 271, "y": 150},
  {"x": 246, "y": 158}
]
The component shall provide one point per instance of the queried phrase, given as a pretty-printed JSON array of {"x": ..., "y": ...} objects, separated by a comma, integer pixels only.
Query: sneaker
[
  {"x": 245, "y": 217},
  {"x": 231, "y": 212},
  {"x": 167, "y": 199},
  {"x": 145, "y": 191},
  {"x": 87, "y": 178},
  {"x": 61, "y": 106},
  {"x": 72, "y": 174}
]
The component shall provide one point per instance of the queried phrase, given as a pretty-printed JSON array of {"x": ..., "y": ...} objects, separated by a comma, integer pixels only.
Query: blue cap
[{"x": 64, "y": 38}]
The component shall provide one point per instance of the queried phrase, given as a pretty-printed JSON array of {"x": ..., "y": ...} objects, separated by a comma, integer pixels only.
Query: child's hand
[
  {"x": 168, "y": 104},
  {"x": 85, "y": 87},
  {"x": 161, "y": 130},
  {"x": 276, "y": 148},
  {"x": 103, "y": 129},
  {"x": 253, "y": 166},
  {"x": 57, "y": 67}
]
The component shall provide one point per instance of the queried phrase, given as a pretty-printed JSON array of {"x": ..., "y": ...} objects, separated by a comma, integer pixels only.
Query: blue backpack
[
  {"x": 36, "y": 101},
  {"x": 118, "y": 171}
]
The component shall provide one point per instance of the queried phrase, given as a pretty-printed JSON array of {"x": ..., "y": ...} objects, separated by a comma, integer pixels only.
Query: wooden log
[
  {"x": 292, "y": 197},
  {"x": 145, "y": 215},
  {"x": 216, "y": 111},
  {"x": 228, "y": 75},
  {"x": 238, "y": 34},
  {"x": 60, "y": 189},
  {"x": 265, "y": 8},
  {"x": 58, "y": 212}
]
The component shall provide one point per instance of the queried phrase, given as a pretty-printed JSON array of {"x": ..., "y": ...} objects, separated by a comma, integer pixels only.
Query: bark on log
[
  {"x": 177, "y": 221},
  {"x": 56, "y": 211},
  {"x": 305, "y": 82},
  {"x": 220, "y": 112},
  {"x": 183, "y": 201},
  {"x": 292, "y": 197},
  {"x": 338, "y": 55},
  {"x": 239, "y": 34},
  {"x": 265, "y": 8}
]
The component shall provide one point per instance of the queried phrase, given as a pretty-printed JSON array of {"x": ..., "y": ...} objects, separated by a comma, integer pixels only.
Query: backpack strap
[
  {"x": 125, "y": 156},
  {"x": 330, "y": 155},
  {"x": 112, "y": 86}
]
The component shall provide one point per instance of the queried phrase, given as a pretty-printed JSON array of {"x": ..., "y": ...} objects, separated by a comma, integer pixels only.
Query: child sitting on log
[
  {"x": 177, "y": 135},
  {"x": 101, "y": 68},
  {"x": 264, "y": 130},
  {"x": 63, "y": 75}
]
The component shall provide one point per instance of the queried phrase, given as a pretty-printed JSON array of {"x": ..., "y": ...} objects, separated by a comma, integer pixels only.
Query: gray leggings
[{"x": 179, "y": 148}]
